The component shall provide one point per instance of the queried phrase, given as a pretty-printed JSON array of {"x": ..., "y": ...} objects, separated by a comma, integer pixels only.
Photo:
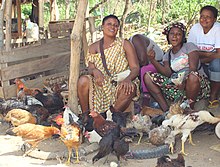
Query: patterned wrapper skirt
[{"x": 172, "y": 93}]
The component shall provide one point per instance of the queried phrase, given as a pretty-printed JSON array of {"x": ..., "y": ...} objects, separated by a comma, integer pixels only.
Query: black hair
[
  {"x": 110, "y": 16},
  {"x": 210, "y": 8}
]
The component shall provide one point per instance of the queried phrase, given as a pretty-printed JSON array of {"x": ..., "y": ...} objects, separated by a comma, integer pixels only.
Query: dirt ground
[{"x": 199, "y": 155}]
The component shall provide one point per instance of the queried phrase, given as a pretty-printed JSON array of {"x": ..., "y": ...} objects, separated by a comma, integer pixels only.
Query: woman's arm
[
  {"x": 132, "y": 60},
  {"x": 162, "y": 69},
  {"x": 193, "y": 60}
]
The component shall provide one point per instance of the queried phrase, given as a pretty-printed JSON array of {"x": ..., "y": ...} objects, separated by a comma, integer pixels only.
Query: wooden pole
[
  {"x": 8, "y": 9},
  {"x": 2, "y": 24},
  {"x": 18, "y": 5},
  {"x": 41, "y": 18},
  {"x": 76, "y": 47}
]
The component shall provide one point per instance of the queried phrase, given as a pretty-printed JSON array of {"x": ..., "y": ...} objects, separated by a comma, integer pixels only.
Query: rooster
[
  {"x": 166, "y": 161},
  {"x": 186, "y": 123},
  {"x": 70, "y": 132},
  {"x": 20, "y": 85},
  {"x": 33, "y": 134},
  {"x": 141, "y": 123},
  {"x": 19, "y": 116}
]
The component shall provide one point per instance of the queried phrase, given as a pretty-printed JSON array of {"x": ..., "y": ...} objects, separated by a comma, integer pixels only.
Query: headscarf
[{"x": 174, "y": 25}]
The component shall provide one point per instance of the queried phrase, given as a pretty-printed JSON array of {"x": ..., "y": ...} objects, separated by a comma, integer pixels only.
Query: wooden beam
[
  {"x": 41, "y": 18},
  {"x": 18, "y": 4},
  {"x": 8, "y": 10}
]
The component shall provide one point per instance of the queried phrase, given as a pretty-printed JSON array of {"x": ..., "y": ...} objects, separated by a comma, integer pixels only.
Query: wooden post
[
  {"x": 41, "y": 18},
  {"x": 8, "y": 9},
  {"x": 18, "y": 5},
  {"x": 76, "y": 47},
  {"x": 1, "y": 25}
]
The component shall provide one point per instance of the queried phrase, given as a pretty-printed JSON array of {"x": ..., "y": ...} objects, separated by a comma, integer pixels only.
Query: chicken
[
  {"x": 158, "y": 135},
  {"x": 70, "y": 132},
  {"x": 20, "y": 85},
  {"x": 33, "y": 134},
  {"x": 19, "y": 116},
  {"x": 108, "y": 130},
  {"x": 102, "y": 126},
  {"x": 52, "y": 102},
  {"x": 166, "y": 161},
  {"x": 93, "y": 136},
  {"x": 121, "y": 147},
  {"x": 217, "y": 130},
  {"x": 141, "y": 123},
  {"x": 151, "y": 111},
  {"x": 185, "y": 123}
]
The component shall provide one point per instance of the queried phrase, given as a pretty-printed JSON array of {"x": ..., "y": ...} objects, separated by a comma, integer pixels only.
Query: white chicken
[
  {"x": 141, "y": 123},
  {"x": 186, "y": 123},
  {"x": 217, "y": 130},
  {"x": 93, "y": 136}
]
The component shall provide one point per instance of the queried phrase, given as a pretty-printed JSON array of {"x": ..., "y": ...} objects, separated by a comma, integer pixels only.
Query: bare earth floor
[{"x": 199, "y": 155}]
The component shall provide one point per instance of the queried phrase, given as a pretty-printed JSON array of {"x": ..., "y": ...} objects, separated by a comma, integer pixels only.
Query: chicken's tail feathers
[
  {"x": 10, "y": 132},
  {"x": 129, "y": 131},
  {"x": 208, "y": 117}
]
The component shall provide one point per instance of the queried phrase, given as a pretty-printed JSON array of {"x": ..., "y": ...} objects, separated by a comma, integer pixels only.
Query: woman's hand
[
  {"x": 151, "y": 54},
  {"x": 99, "y": 77},
  {"x": 127, "y": 85},
  {"x": 181, "y": 86}
]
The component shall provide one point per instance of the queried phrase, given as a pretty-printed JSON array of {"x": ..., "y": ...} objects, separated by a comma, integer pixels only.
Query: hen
[
  {"x": 141, "y": 123},
  {"x": 158, "y": 135},
  {"x": 33, "y": 134},
  {"x": 166, "y": 161},
  {"x": 70, "y": 132},
  {"x": 52, "y": 102},
  {"x": 185, "y": 123},
  {"x": 19, "y": 116},
  {"x": 108, "y": 130}
]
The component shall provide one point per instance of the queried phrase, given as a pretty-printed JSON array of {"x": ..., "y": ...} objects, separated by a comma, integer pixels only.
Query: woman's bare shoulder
[{"x": 94, "y": 48}]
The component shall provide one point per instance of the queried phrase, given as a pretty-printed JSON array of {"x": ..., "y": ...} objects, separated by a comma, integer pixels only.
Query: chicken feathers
[
  {"x": 186, "y": 123},
  {"x": 19, "y": 116},
  {"x": 33, "y": 134}
]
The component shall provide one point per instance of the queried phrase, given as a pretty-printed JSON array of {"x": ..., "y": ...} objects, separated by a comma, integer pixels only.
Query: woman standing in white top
[{"x": 206, "y": 35}]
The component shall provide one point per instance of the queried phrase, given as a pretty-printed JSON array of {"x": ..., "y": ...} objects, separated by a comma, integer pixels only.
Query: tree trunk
[
  {"x": 150, "y": 14},
  {"x": 67, "y": 9},
  {"x": 76, "y": 47},
  {"x": 124, "y": 15},
  {"x": 8, "y": 9},
  {"x": 2, "y": 24},
  {"x": 54, "y": 11}
]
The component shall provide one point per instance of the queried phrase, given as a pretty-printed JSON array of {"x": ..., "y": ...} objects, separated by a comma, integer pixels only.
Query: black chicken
[
  {"x": 121, "y": 147},
  {"x": 166, "y": 161},
  {"x": 52, "y": 102},
  {"x": 110, "y": 132}
]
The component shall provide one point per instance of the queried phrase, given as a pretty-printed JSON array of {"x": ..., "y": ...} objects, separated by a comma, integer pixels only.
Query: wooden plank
[
  {"x": 1, "y": 92},
  {"x": 49, "y": 48},
  {"x": 10, "y": 91},
  {"x": 37, "y": 66}
]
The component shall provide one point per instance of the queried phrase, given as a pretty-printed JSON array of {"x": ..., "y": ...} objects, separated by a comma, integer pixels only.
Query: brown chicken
[
  {"x": 19, "y": 116},
  {"x": 70, "y": 133},
  {"x": 33, "y": 134},
  {"x": 166, "y": 161},
  {"x": 52, "y": 102},
  {"x": 20, "y": 85}
]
